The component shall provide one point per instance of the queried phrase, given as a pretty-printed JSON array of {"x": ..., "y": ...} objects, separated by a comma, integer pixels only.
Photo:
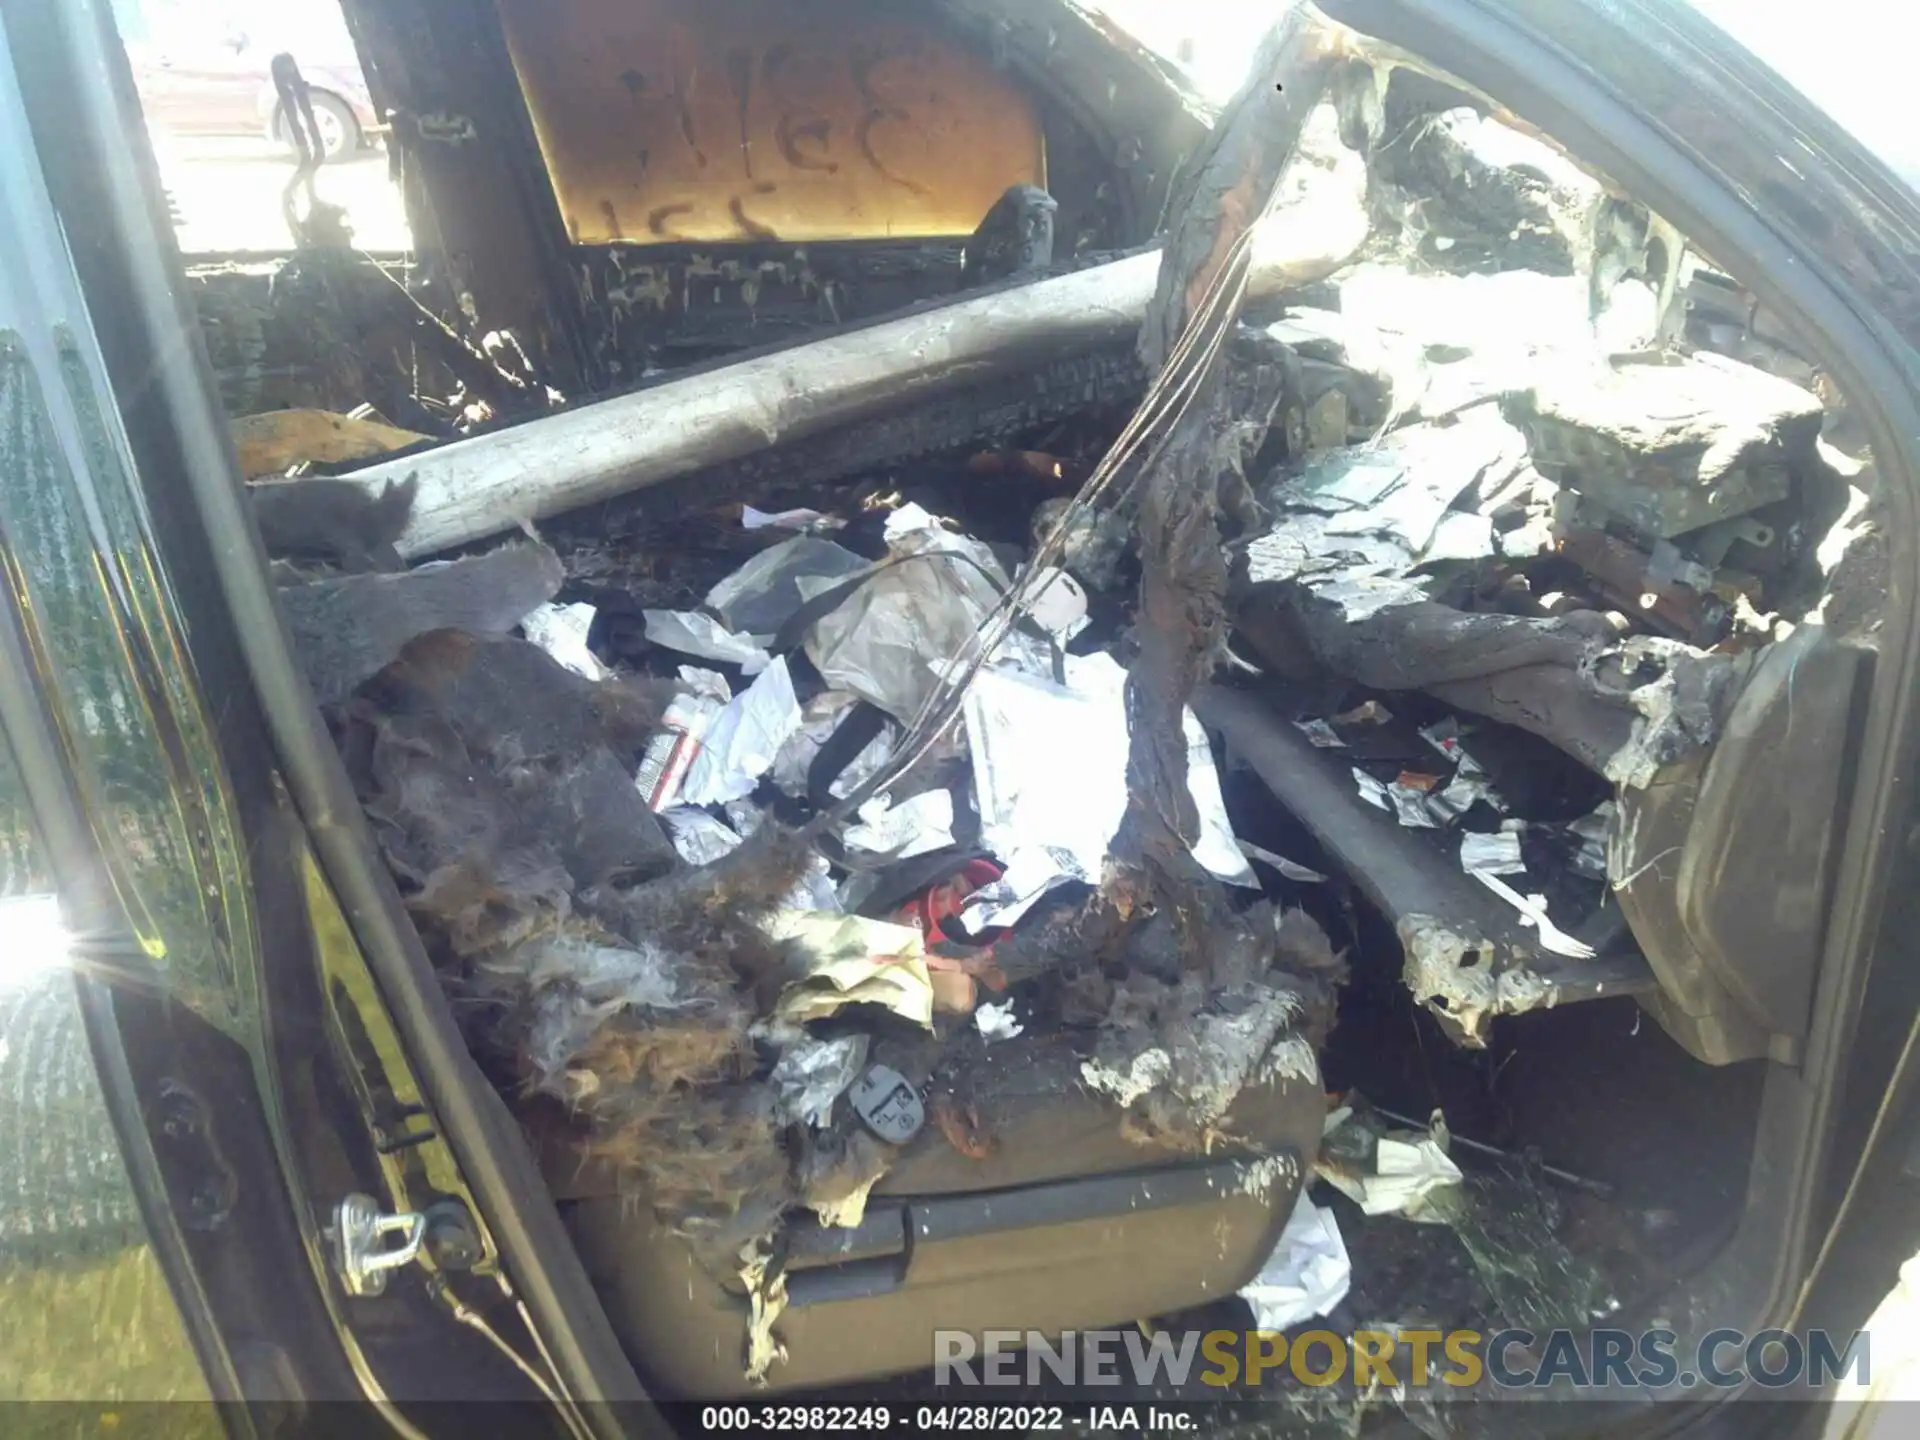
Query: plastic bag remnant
[
  {"x": 811, "y": 1074},
  {"x": 1495, "y": 854},
  {"x": 759, "y": 597},
  {"x": 691, "y": 633},
  {"x": 889, "y": 641}
]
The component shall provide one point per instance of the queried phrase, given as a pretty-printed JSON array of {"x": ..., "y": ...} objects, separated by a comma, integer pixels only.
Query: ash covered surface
[{"x": 1480, "y": 536}]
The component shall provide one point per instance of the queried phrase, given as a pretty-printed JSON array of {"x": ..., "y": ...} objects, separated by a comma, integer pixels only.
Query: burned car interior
[{"x": 1007, "y": 701}]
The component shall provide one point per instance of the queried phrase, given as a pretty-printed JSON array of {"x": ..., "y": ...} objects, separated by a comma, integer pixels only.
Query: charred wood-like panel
[{"x": 982, "y": 416}]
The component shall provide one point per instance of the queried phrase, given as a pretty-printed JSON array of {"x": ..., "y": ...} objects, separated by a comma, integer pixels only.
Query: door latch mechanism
[{"x": 359, "y": 1239}]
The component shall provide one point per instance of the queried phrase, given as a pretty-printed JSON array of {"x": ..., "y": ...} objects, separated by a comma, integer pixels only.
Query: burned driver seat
[{"x": 1065, "y": 1222}]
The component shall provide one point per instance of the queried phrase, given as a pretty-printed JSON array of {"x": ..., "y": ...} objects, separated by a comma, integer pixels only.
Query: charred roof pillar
[{"x": 476, "y": 190}]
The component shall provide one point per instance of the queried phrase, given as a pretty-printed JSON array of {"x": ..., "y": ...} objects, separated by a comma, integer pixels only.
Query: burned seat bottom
[{"x": 1068, "y": 1223}]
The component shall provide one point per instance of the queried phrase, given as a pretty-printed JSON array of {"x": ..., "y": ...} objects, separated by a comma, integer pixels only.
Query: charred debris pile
[{"x": 1454, "y": 505}]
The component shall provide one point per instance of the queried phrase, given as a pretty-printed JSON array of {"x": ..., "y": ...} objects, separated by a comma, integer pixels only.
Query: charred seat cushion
[{"x": 1067, "y": 1224}]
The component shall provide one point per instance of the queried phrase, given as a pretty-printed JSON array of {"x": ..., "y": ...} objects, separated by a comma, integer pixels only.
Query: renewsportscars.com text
[{"x": 1454, "y": 1359}]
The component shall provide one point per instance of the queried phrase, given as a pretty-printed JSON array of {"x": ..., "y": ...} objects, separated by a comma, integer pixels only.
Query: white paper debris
[
  {"x": 913, "y": 520},
  {"x": 1460, "y": 794},
  {"x": 1412, "y": 806},
  {"x": 697, "y": 836},
  {"x": 1029, "y": 875},
  {"x": 743, "y": 738},
  {"x": 1590, "y": 859},
  {"x": 1320, "y": 734},
  {"x": 671, "y": 751},
  {"x": 819, "y": 719},
  {"x": 755, "y": 519},
  {"x": 1496, "y": 854},
  {"x": 1059, "y": 605},
  {"x": 1469, "y": 784},
  {"x": 1444, "y": 736},
  {"x": 1307, "y": 1274},
  {"x": 695, "y": 680},
  {"x": 1367, "y": 712},
  {"x": 997, "y": 1022},
  {"x": 1407, "y": 803},
  {"x": 561, "y": 631},
  {"x": 1406, "y": 1172},
  {"x": 1373, "y": 791},
  {"x": 913, "y": 827},
  {"x": 1286, "y": 867},
  {"x": 1050, "y": 770},
  {"x": 692, "y": 633}
]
